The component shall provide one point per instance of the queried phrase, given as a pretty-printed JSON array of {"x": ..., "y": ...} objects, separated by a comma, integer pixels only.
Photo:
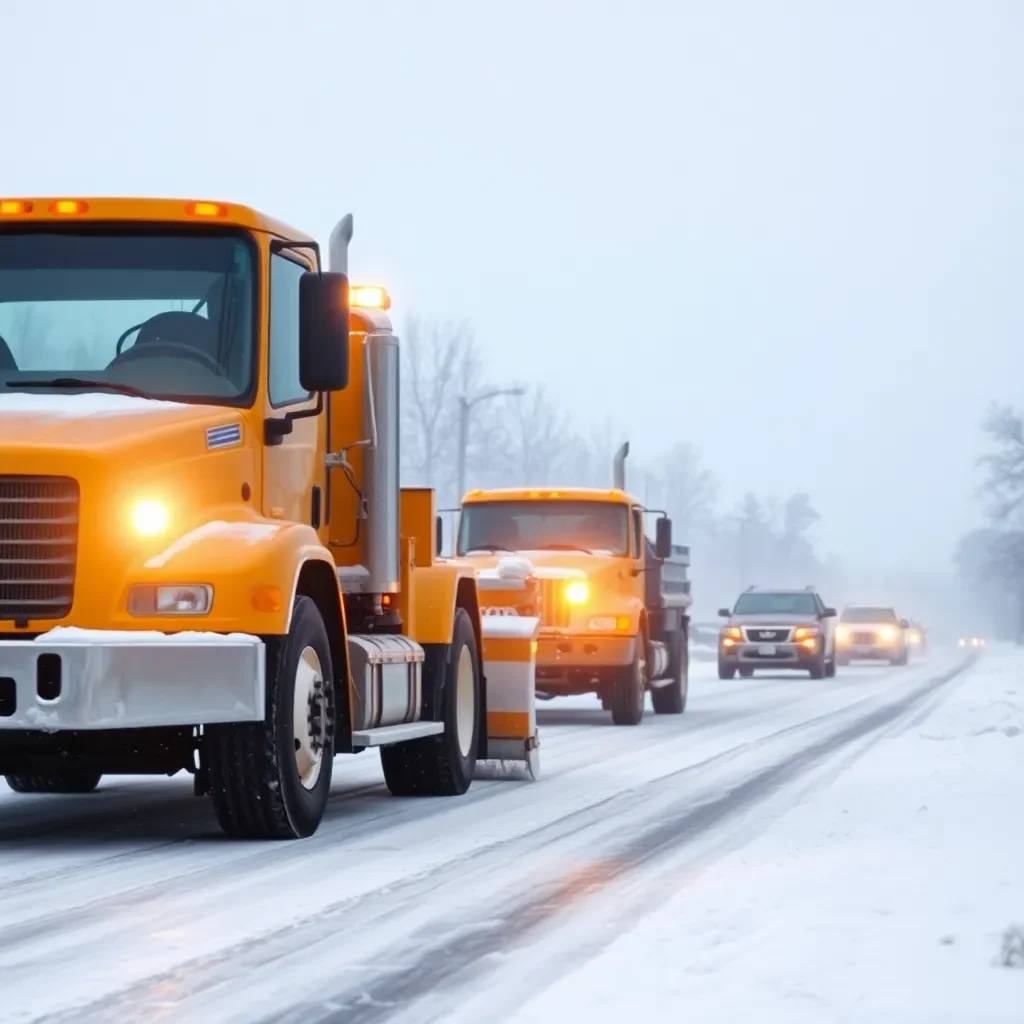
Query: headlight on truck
[
  {"x": 888, "y": 634},
  {"x": 577, "y": 592},
  {"x": 150, "y": 518},
  {"x": 185, "y": 599},
  {"x": 805, "y": 633}
]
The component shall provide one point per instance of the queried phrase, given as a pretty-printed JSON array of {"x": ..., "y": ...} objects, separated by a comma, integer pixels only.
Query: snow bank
[{"x": 889, "y": 895}]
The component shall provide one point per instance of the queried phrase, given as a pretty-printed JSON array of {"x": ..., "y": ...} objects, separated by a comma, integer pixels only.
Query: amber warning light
[{"x": 368, "y": 296}]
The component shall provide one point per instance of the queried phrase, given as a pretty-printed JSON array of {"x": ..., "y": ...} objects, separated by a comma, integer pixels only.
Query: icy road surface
[{"x": 841, "y": 850}]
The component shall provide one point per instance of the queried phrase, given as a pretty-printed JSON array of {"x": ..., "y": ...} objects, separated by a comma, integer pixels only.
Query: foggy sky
[{"x": 790, "y": 233}]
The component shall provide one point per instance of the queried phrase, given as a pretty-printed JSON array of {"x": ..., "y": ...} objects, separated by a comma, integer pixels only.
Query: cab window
[
  {"x": 638, "y": 533},
  {"x": 284, "y": 385}
]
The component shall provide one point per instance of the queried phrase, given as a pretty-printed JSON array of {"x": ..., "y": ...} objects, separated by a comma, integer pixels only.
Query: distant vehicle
[
  {"x": 777, "y": 629},
  {"x": 872, "y": 633},
  {"x": 971, "y": 641}
]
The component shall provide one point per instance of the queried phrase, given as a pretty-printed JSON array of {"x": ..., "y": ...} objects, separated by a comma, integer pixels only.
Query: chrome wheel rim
[
  {"x": 465, "y": 702},
  {"x": 309, "y": 719}
]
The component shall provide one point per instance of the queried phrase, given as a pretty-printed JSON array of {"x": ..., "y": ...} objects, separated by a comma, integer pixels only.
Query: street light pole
[{"x": 465, "y": 405}]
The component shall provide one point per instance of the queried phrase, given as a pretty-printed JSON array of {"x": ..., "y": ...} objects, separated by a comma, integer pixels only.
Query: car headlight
[
  {"x": 577, "y": 592},
  {"x": 805, "y": 633},
  {"x": 184, "y": 599},
  {"x": 150, "y": 518},
  {"x": 887, "y": 633},
  {"x": 842, "y": 634}
]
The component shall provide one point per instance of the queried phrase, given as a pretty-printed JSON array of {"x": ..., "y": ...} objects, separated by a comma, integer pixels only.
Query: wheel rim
[
  {"x": 309, "y": 718},
  {"x": 465, "y": 702}
]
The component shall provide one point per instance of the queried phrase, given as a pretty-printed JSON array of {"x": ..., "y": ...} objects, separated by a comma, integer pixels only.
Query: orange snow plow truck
[
  {"x": 612, "y": 604},
  {"x": 206, "y": 560}
]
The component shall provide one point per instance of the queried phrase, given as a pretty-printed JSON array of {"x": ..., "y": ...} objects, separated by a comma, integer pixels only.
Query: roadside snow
[{"x": 890, "y": 895}]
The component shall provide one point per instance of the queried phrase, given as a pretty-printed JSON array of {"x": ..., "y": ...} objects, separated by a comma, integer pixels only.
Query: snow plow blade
[{"x": 510, "y": 659}]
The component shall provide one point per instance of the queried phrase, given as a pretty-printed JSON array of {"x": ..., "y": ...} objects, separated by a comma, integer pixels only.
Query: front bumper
[
  {"x": 85, "y": 679},
  {"x": 570, "y": 662},
  {"x": 752, "y": 654}
]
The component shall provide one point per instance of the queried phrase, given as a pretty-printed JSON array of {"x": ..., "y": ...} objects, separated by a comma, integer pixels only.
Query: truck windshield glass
[
  {"x": 169, "y": 315},
  {"x": 776, "y": 604},
  {"x": 868, "y": 615},
  {"x": 598, "y": 527}
]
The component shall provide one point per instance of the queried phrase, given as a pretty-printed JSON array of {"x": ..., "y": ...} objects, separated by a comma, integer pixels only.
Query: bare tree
[
  {"x": 538, "y": 441},
  {"x": 1004, "y": 466},
  {"x": 438, "y": 356},
  {"x": 684, "y": 487}
]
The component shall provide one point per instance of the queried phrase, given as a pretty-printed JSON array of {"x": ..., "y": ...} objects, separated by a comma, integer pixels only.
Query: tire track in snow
[{"x": 211, "y": 868}]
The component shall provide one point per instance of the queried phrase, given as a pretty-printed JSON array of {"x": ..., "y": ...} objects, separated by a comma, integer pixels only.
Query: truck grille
[
  {"x": 38, "y": 546},
  {"x": 768, "y": 634},
  {"x": 864, "y": 638},
  {"x": 554, "y": 607}
]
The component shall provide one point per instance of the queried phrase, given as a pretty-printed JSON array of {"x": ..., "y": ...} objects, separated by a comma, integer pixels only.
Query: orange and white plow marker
[{"x": 510, "y": 662}]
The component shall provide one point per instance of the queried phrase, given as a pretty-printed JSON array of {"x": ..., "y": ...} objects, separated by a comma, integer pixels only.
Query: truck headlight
[
  {"x": 888, "y": 634},
  {"x": 842, "y": 634},
  {"x": 577, "y": 592},
  {"x": 150, "y": 518},
  {"x": 185, "y": 599},
  {"x": 805, "y": 633}
]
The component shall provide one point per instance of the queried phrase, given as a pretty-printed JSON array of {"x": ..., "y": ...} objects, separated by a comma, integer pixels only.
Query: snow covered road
[{"x": 127, "y": 904}]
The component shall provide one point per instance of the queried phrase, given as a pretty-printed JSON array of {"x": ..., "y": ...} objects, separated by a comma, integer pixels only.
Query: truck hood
[{"x": 101, "y": 424}]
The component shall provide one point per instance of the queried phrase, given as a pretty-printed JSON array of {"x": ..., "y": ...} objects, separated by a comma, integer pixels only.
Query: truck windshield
[
  {"x": 597, "y": 527},
  {"x": 168, "y": 315},
  {"x": 868, "y": 615},
  {"x": 783, "y": 603}
]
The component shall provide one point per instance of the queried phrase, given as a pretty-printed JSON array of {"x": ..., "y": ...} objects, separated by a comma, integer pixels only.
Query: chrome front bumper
[{"x": 72, "y": 679}]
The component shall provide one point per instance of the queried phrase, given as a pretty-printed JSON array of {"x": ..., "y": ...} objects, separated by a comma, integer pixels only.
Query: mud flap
[{"x": 510, "y": 659}]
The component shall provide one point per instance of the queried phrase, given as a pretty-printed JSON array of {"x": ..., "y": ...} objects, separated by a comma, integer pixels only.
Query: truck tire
[
  {"x": 830, "y": 668},
  {"x": 671, "y": 699},
  {"x": 746, "y": 672},
  {"x": 69, "y": 779},
  {"x": 271, "y": 779},
  {"x": 726, "y": 671},
  {"x": 630, "y": 689},
  {"x": 902, "y": 659},
  {"x": 443, "y": 765}
]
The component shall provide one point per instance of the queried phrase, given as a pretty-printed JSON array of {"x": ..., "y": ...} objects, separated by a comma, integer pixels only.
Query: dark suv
[{"x": 778, "y": 629}]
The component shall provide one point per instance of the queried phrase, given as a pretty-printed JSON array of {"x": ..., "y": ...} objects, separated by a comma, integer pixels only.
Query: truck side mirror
[
  {"x": 323, "y": 331},
  {"x": 724, "y": 613},
  {"x": 904, "y": 623},
  {"x": 438, "y": 535},
  {"x": 663, "y": 538},
  {"x": 829, "y": 613}
]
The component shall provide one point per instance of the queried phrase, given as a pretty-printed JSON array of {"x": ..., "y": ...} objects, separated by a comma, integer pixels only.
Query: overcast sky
[{"x": 788, "y": 232}]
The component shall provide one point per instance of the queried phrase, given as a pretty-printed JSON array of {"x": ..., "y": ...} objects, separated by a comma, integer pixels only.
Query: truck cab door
[{"x": 293, "y": 472}]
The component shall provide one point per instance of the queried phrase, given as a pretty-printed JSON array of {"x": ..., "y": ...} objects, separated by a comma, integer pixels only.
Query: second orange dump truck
[{"x": 613, "y": 604}]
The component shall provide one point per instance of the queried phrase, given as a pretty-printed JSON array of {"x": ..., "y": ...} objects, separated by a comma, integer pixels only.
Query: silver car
[
  {"x": 791, "y": 629},
  {"x": 872, "y": 633}
]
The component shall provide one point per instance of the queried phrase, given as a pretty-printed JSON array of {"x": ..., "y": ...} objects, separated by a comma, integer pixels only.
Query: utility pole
[{"x": 465, "y": 405}]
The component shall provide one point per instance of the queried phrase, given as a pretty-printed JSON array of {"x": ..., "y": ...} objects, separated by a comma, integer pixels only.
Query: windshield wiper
[
  {"x": 79, "y": 382},
  {"x": 488, "y": 547}
]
